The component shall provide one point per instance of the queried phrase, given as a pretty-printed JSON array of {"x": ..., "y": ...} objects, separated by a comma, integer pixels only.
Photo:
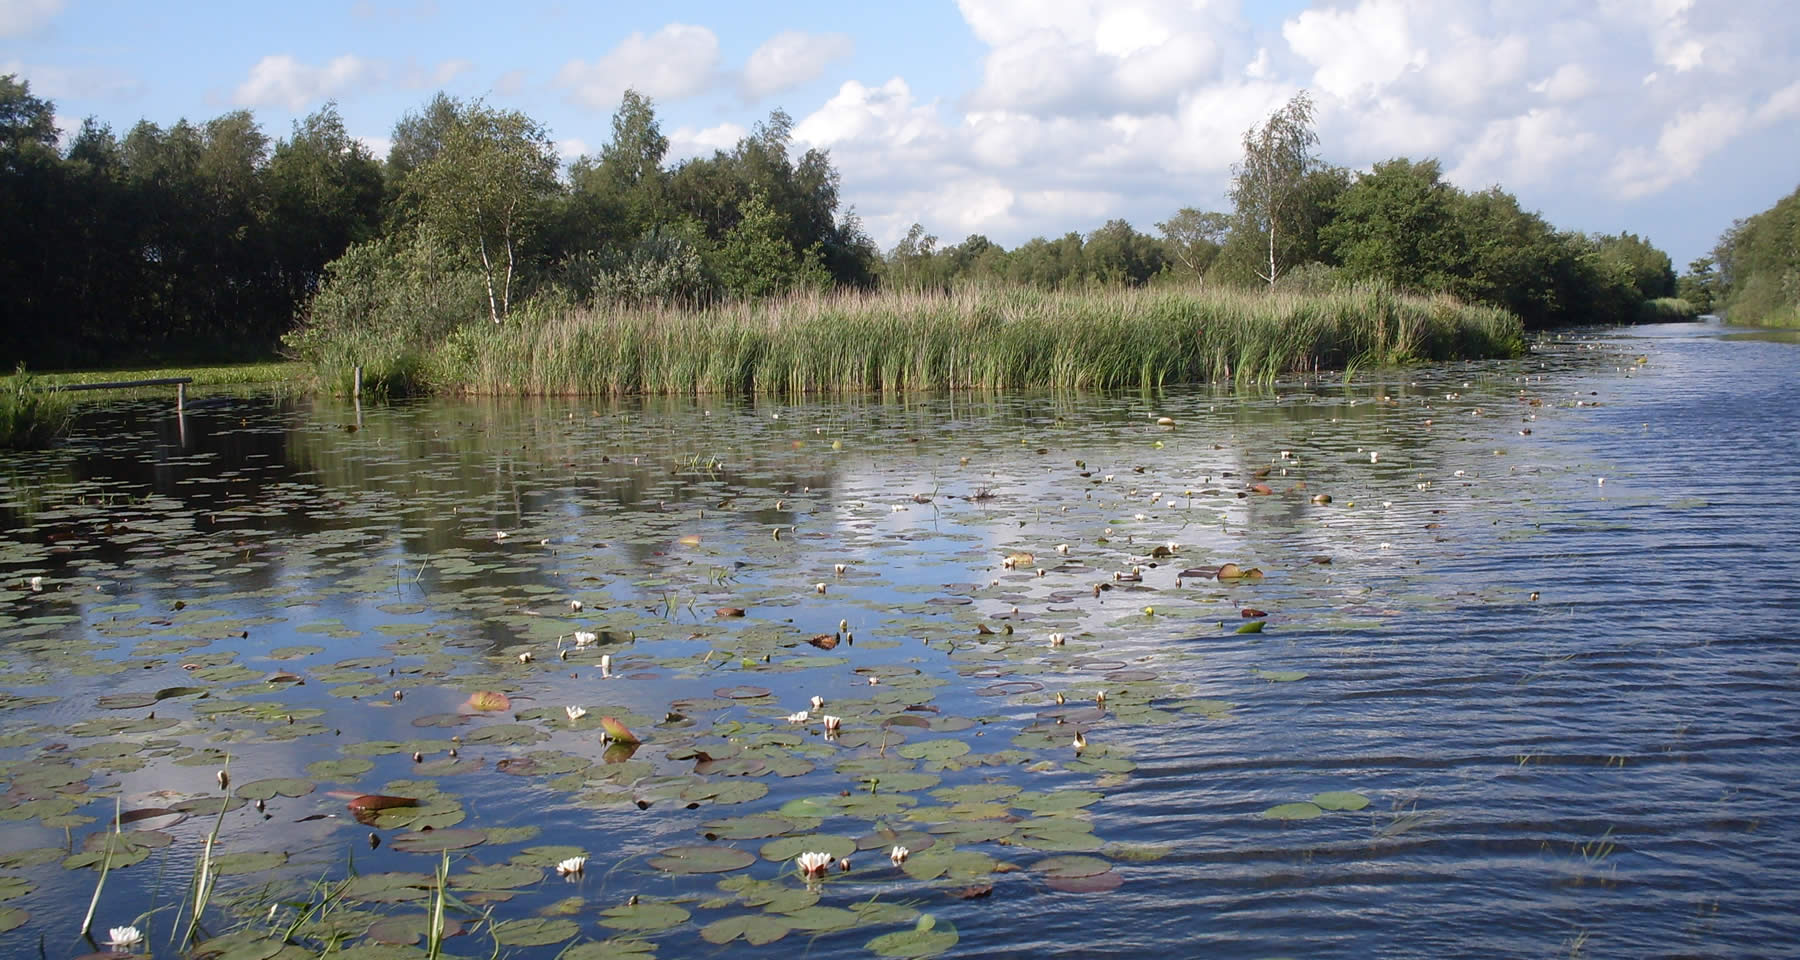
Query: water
[{"x": 1552, "y": 649}]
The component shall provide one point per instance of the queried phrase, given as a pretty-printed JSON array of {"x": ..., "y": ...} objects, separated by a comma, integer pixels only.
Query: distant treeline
[
  {"x": 213, "y": 241},
  {"x": 1753, "y": 275}
]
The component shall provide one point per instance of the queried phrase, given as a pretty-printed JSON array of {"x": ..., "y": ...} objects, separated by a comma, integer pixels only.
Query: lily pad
[
  {"x": 928, "y": 938},
  {"x": 1293, "y": 811},
  {"x": 1340, "y": 800},
  {"x": 787, "y": 848},
  {"x": 702, "y": 859},
  {"x": 535, "y": 931},
  {"x": 755, "y": 929},
  {"x": 437, "y": 841},
  {"x": 645, "y": 915}
]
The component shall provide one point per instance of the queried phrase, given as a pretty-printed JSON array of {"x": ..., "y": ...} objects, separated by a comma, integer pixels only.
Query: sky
[{"x": 1017, "y": 118}]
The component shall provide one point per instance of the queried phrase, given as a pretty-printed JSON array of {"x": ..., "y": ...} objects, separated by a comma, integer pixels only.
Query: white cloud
[
  {"x": 571, "y": 148},
  {"x": 20, "y": 17},
  {"x": 1686, "y": 140},
  {"x": 675, "y": 62},
  {"x": 282, "y": 81},
  {"x": 791, "y": 58},
  {"x": 511, "y": 83},
  {"x": 63, "y": 83},
  {"x": 1358, "y": 52},
  {"x": 1523, "y": 151},
  {"x": 1087, "y": 55},
  {"x": 687, "y": 142},
  {"x": 1571, "y": 81}
]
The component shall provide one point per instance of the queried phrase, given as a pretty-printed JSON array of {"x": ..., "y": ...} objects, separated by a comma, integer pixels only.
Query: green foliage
[
  {"x": 1266, "y": 184},
  {"x": 1699, "y": 285},
  {"x": 1759, "y": 266},
  {"x": 1194, "y": 237},
  {"x": 1398, "y": 223},
  {"x": 485, "y": 190},
  {"x": 31, "y": 416},
  {"x": 1667, "y": 310},
  {"x": 1005, "y": 338}
]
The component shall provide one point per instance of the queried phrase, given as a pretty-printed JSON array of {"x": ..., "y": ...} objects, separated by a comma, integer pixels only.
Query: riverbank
[{"x": 977, "y": 339}]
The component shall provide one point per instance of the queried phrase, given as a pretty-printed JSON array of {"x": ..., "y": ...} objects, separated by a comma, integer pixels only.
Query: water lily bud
[{"x": 224, "y": 780}]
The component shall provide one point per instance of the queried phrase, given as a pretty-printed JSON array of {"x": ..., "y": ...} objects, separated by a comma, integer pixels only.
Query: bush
[{"x": 30, "y": 416}]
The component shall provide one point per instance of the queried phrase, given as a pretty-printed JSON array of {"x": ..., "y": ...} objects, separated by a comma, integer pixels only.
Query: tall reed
[
  {"x": 1007, "y": 338},
  {"x": 30, "y": 415}
]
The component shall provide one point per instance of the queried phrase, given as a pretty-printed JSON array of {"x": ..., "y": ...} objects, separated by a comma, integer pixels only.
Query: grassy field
[
  {"x": 207, "y": 376},
  {"x": 988, "y": 339}
]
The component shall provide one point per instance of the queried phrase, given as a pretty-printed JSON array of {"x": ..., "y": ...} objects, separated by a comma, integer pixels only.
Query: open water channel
[{"x": 1508, "y": 667}]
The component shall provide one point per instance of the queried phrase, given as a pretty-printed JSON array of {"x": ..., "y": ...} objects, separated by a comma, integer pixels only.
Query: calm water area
[{"x": 1510, "y": 667}]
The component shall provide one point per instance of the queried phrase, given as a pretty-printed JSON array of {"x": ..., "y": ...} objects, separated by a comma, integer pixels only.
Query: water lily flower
[
  {"x": 874, "y": 680},
  {"x": 1374, "y": 457},
  {"x": 37, "y": 584},
  {"x": 500, "y": 534},
  {"x": 832, "y": 724},
  {"x": 1100, "y": 698},
  {"x": 818, "y": 702},
  {"x": 575, "y": 713},
  {"x": 1080, "y": 741},
  {"x": 585, "y": 637},
  {"x": 844, "y": 865},
  {"x": 1056, "y": 639},
  {"x": 839, "y": 569},
  {"x": 813, "y": 864},
  {"x": 1062, "y": 548},
  {"x": 575, "y": 606},
  {"x": 820, "y": 587},
  {"x": 124, "y": 938},
  {"x": 571, "y": 866},
  {"x": 605, "y": 666},
  {"x": 799, "y": 717},
  {"x": 898, "y": 854}
]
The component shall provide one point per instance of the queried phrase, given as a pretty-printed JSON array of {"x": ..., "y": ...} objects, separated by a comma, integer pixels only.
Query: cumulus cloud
[
  {"x": 280, "y": 80},
  {"x": 1086, "y": 55},
  {"x": 685, "y": 142},
  {"x": 675, "y": 62},
  {"x": 61, "y": 83},
  {"x": 791, "y": 58},
  {"x": 20, "y": 17},
  {"x": 1356, "y": 53}
]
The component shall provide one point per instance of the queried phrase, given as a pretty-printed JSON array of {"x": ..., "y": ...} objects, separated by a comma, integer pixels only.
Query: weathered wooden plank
[{"x": 121, "y": 384}]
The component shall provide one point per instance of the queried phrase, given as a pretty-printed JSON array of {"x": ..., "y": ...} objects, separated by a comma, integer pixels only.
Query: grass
[
  {"x": 204, "y": 376},
  {"x": 1667, "y": 310},
  {"x": 997, "y": 339},
  {"x": 30, "y": 417}
]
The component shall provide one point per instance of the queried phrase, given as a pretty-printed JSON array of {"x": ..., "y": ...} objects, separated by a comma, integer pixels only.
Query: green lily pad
[
  {"x": 1071, "y": 866},
  {"x": 787, "y": 848},
  {"x": 934, "y": 750},
  {"x": 249, "y": 861},
  {"x": 1281, "y": 676},
  {"x": 756, "y": 929},
  {"x": 275, "y": 787},
  {"x": 1293, "y": 811},
  {"x": 12, "y": 918},
  {"x": 535, "y": 931},
  {"x": 928, "y": 938},
  {"x": 702, "y": 859},
  {"x": 645, "y": 915},
  {"x": 437, "y": 841},
  {"x": 1340, "y": 800},
  {"x": 618, "y": 948}
]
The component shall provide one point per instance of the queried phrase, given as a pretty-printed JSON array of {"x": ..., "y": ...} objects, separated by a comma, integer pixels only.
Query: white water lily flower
[
  {"x": 575, "y": 713},
  {"x": 813, "y": 864},
  {"x": 820, "y": 587},
  {"x": 898, "y": 854},
  {"x": 800, "y": 717},
  {"x": 37, "y": 584},
  {"x": 832, "y": 723},
  {"x": 874, "y": 680},
  {"x": 606, "y": 666},
  {"x": 818, "y": 702},
  {"x": 585, "y": 637},
  {"x": 1374, "y": 457},
  {"x": 500, "y": 534},
  {"x": 1080, "y": 741},
  {"x": 571, "y": 866},
  {"x": 526, "y": 657},
  {"x": 1056, "y": 639},
  {"x": 124, "y": 938},
  {"x": 575, "y": 606}
]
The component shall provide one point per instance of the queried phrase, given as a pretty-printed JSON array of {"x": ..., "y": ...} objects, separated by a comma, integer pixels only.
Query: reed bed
[
  {"x": 1667, "y": 310},
  {"x": 973, "y": 339},
  {"x": 30, "y": 416}
]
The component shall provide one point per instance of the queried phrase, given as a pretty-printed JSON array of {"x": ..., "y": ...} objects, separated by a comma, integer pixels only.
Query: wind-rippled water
[{"x": 1554, "y": 644}]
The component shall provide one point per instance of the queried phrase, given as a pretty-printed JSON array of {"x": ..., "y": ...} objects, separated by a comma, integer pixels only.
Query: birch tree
[
  {"x": 1267, "y": 183},
  {"x": 486, "y": 189}
]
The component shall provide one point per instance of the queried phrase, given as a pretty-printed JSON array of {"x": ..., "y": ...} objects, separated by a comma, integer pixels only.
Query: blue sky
[{"x": 1015, "y": 118}]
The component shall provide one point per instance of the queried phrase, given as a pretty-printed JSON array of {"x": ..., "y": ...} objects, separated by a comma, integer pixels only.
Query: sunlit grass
[
  {"x": 1667, "y": 310},
  {"x": 988, "y": 339},
  {"x": 30, "y": 416},
  {"x": 203, "y": 376}
]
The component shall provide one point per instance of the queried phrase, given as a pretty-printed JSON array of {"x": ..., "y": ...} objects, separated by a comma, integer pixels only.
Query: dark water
[{"x": 1553, "y": 648}]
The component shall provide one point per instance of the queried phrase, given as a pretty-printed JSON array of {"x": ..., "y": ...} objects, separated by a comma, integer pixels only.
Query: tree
[
  {"x": 327, "y": 189},
  {"x": 1398, "y": 223},
  {"x": 1699, "y": 285},
  {"x": 1267, "y": 182},
  {"x": 757, "y": 261},
  {"x": 486, "y": 189},
  {"x": 1194, "y": 237}
]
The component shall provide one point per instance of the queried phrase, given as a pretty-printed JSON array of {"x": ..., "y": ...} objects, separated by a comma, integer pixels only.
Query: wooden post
[
  {"x": 356, "y": 389},
  {"x": 180, "y": 397}
]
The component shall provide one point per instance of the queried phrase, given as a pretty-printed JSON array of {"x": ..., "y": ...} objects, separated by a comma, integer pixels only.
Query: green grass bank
[{"x": 976, "y": 339}]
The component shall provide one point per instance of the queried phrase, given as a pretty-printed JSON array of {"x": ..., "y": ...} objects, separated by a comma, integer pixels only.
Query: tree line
[
  {"x": 1753, "y": 274},
  {"x": 212, "y": 240}
]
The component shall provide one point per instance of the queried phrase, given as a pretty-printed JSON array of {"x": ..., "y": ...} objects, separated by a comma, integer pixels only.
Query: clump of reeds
[
  {"x": 1667, "y": 310},
  {"x": 31, "y": 416},
  {"x": 998, "y": 339}
]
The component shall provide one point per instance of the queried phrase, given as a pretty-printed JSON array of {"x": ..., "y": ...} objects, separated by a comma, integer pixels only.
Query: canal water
[{"x": 1484, "y": 659}]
